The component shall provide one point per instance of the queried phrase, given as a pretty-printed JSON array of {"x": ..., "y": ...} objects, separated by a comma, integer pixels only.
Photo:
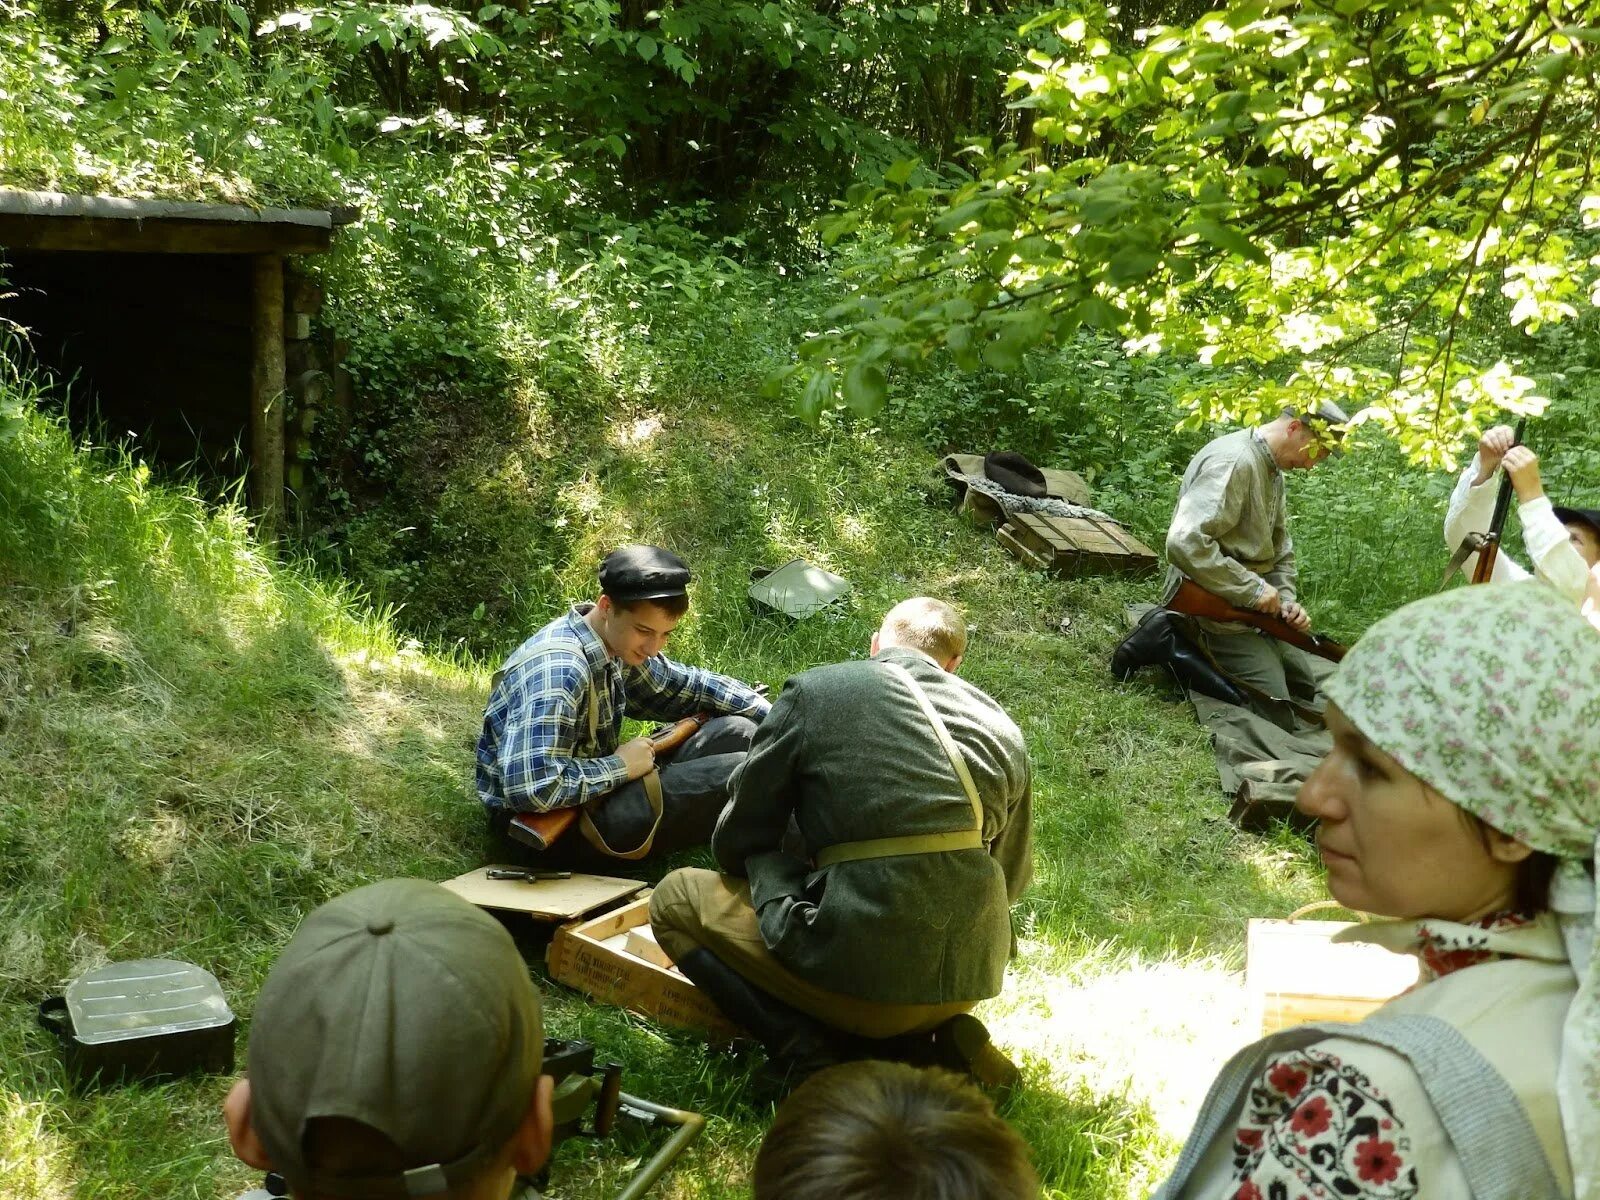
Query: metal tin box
[{"x": 152, "y": 1018}]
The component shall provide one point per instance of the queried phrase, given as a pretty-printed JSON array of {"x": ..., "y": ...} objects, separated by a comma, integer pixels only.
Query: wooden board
[
  {"x": 544, "y": 899},
  {"x": 1297, "y": 974},
  {"x": 1026, "y": 555},
  {"x": 1076, "y": 546},
  {"x": 591, "y": 957}
]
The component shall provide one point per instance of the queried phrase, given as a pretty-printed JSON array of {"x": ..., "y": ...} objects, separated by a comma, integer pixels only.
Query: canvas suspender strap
[
  {"x": 919, "y": 843},
  {"x": 1499, "y": 1151}
]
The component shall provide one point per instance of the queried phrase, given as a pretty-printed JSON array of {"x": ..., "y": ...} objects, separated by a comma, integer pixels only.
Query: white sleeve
[
  {"x": 1471, "y": 511},
  {"x": 1555, "y": 559},
  {"x": 1471, "y": 506}
]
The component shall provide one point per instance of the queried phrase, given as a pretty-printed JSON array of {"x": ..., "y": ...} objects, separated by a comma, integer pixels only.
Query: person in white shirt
[{"x": 1564, "y": 543}]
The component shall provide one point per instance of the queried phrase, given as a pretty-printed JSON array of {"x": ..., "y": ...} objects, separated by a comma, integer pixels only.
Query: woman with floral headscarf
[{"x": 1462, "y": 800}]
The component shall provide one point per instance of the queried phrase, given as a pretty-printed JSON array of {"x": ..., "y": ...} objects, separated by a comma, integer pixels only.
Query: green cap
[{"x": 403, "y": 1007}]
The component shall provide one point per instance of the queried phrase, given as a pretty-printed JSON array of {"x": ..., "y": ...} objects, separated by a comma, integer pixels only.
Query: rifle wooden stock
[
  {"x": 1193, "y": 600},
  {"x": 541, "y": 830},
  {"x": 1488, "y": 551}
]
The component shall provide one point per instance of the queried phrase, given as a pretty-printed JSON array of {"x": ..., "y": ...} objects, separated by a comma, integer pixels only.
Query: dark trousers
[{"x": 694, "y": 791}]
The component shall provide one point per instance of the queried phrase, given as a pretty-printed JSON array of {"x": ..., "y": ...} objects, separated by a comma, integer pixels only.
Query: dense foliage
[
  {"x": 1082, "y": 233},
  {"x": 1382, "y": 204}
]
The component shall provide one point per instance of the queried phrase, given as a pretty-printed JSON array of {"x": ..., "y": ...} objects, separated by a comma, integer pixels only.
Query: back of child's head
[
  {"x": 887, "y": 1131},
  {"x": 396, "y": 1048}
]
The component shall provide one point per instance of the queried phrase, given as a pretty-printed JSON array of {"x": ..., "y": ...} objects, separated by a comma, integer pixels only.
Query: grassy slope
[{"x": 199, "y": 746}]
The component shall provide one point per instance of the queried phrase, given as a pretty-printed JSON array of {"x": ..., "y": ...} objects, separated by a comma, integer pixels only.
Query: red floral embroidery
[
  {"x": 1313, "y": 1125},
  {"x": 1376, "y": 1161},
  {"x": 1287, "y": 1079},
  {"x": 1312, "y": 1117},
  {"x": 1445, "y": 950},
  {"x": 1442, "y": 962}
]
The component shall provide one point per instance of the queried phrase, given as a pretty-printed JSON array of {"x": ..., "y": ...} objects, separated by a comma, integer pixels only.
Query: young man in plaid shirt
[{"x": 552, "y": 729}]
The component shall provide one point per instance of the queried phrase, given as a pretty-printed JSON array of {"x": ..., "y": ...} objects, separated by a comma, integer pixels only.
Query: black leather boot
[
  {"x": 961, "y": 1044},
  {"x": 797, "y": 1045},
  {"x": 1158, "y": 640}
]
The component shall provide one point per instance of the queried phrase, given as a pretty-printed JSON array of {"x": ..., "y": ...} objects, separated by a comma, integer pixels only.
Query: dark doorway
[{"x": 155, "y": 348}]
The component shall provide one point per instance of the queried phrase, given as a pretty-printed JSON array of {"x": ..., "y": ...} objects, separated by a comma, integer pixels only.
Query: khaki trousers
[
  {"x": 693, "y": 907},
  {"x": 1281, "y": 671}
]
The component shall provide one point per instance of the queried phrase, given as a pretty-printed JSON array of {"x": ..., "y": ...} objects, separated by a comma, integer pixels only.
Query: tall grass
[{"x": 196, "y": 746}]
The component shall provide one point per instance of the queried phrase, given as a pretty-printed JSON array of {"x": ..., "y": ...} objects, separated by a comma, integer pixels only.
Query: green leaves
[
  {"x": 1350, "y": 200},
  {"x": 865, "y": 389},
  {"x": 900, "y": 172},
  {"x": 1226, "y": 238},
  {"x": 818, "y": 394}
]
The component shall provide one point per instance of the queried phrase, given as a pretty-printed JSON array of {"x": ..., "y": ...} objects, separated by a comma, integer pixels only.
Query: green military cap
[{"x": 403, "y": 1007}]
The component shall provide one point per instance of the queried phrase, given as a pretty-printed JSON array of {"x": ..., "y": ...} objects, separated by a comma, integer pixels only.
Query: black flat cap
[
  {"x": 1586, "y": 516},
  {"x": 1015, "y": 473},
  {"x": 643, "y": 573}
]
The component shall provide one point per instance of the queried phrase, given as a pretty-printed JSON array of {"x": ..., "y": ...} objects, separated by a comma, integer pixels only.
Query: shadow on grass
[{"x": 1083, "y": 1144}]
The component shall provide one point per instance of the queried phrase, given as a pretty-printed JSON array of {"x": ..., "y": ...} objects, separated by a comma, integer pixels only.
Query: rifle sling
[
  {"x": 919, "y": 843},
  {"x": 652, "y": 793}
]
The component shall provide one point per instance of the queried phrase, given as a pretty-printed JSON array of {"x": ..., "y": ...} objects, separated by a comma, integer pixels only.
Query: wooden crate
[
  {"x": 592, "y": 957},
  {"x": 1295, "y": 974},
  {"x": 1073, "y": 546}
]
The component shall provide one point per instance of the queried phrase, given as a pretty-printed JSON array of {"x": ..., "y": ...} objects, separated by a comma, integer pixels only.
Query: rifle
[
  {"x": 1486, "y": 545},
  {"x": 541, "y": 830},
  {"x": 1489, "y": 550},
  {"x": 1193, "y": 600}
]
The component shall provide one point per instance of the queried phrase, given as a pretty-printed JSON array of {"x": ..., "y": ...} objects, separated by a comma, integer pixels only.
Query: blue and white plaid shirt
[{"x": 535, "y": 752}]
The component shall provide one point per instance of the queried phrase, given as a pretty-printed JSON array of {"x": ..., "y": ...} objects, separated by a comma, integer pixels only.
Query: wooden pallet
[{"x": 1074, "y": 546}]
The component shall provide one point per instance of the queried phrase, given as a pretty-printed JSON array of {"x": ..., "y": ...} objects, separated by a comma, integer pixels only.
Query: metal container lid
[
  {"x": 799, "y": 588},
  {"x": 144, "y": 998}
]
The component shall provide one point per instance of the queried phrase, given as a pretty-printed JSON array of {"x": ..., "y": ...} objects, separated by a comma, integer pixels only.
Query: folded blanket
[{"x": 1013, "y": 503}]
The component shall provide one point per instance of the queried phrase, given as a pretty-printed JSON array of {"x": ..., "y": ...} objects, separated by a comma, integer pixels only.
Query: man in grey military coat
[
  {"x": 876, "y": 838},
  {"x": 1230, "y": 535}
]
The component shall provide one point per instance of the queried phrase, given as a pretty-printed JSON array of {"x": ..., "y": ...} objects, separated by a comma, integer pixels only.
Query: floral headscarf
[{"x": 1491, "y": 695}]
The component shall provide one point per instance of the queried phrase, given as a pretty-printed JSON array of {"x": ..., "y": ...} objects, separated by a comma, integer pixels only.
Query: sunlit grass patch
[{"x": 33, "y": 1160}]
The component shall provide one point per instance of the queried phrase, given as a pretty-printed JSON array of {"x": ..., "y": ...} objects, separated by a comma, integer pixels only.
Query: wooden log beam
[
  {"x": 158, "y": 237},
  {"x": 54, "y": 221},
  {"x": 267, "y": 396}
]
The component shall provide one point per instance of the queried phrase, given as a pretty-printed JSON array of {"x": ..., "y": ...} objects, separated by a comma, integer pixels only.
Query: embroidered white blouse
[{"x": 1348, "y": 1120}]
